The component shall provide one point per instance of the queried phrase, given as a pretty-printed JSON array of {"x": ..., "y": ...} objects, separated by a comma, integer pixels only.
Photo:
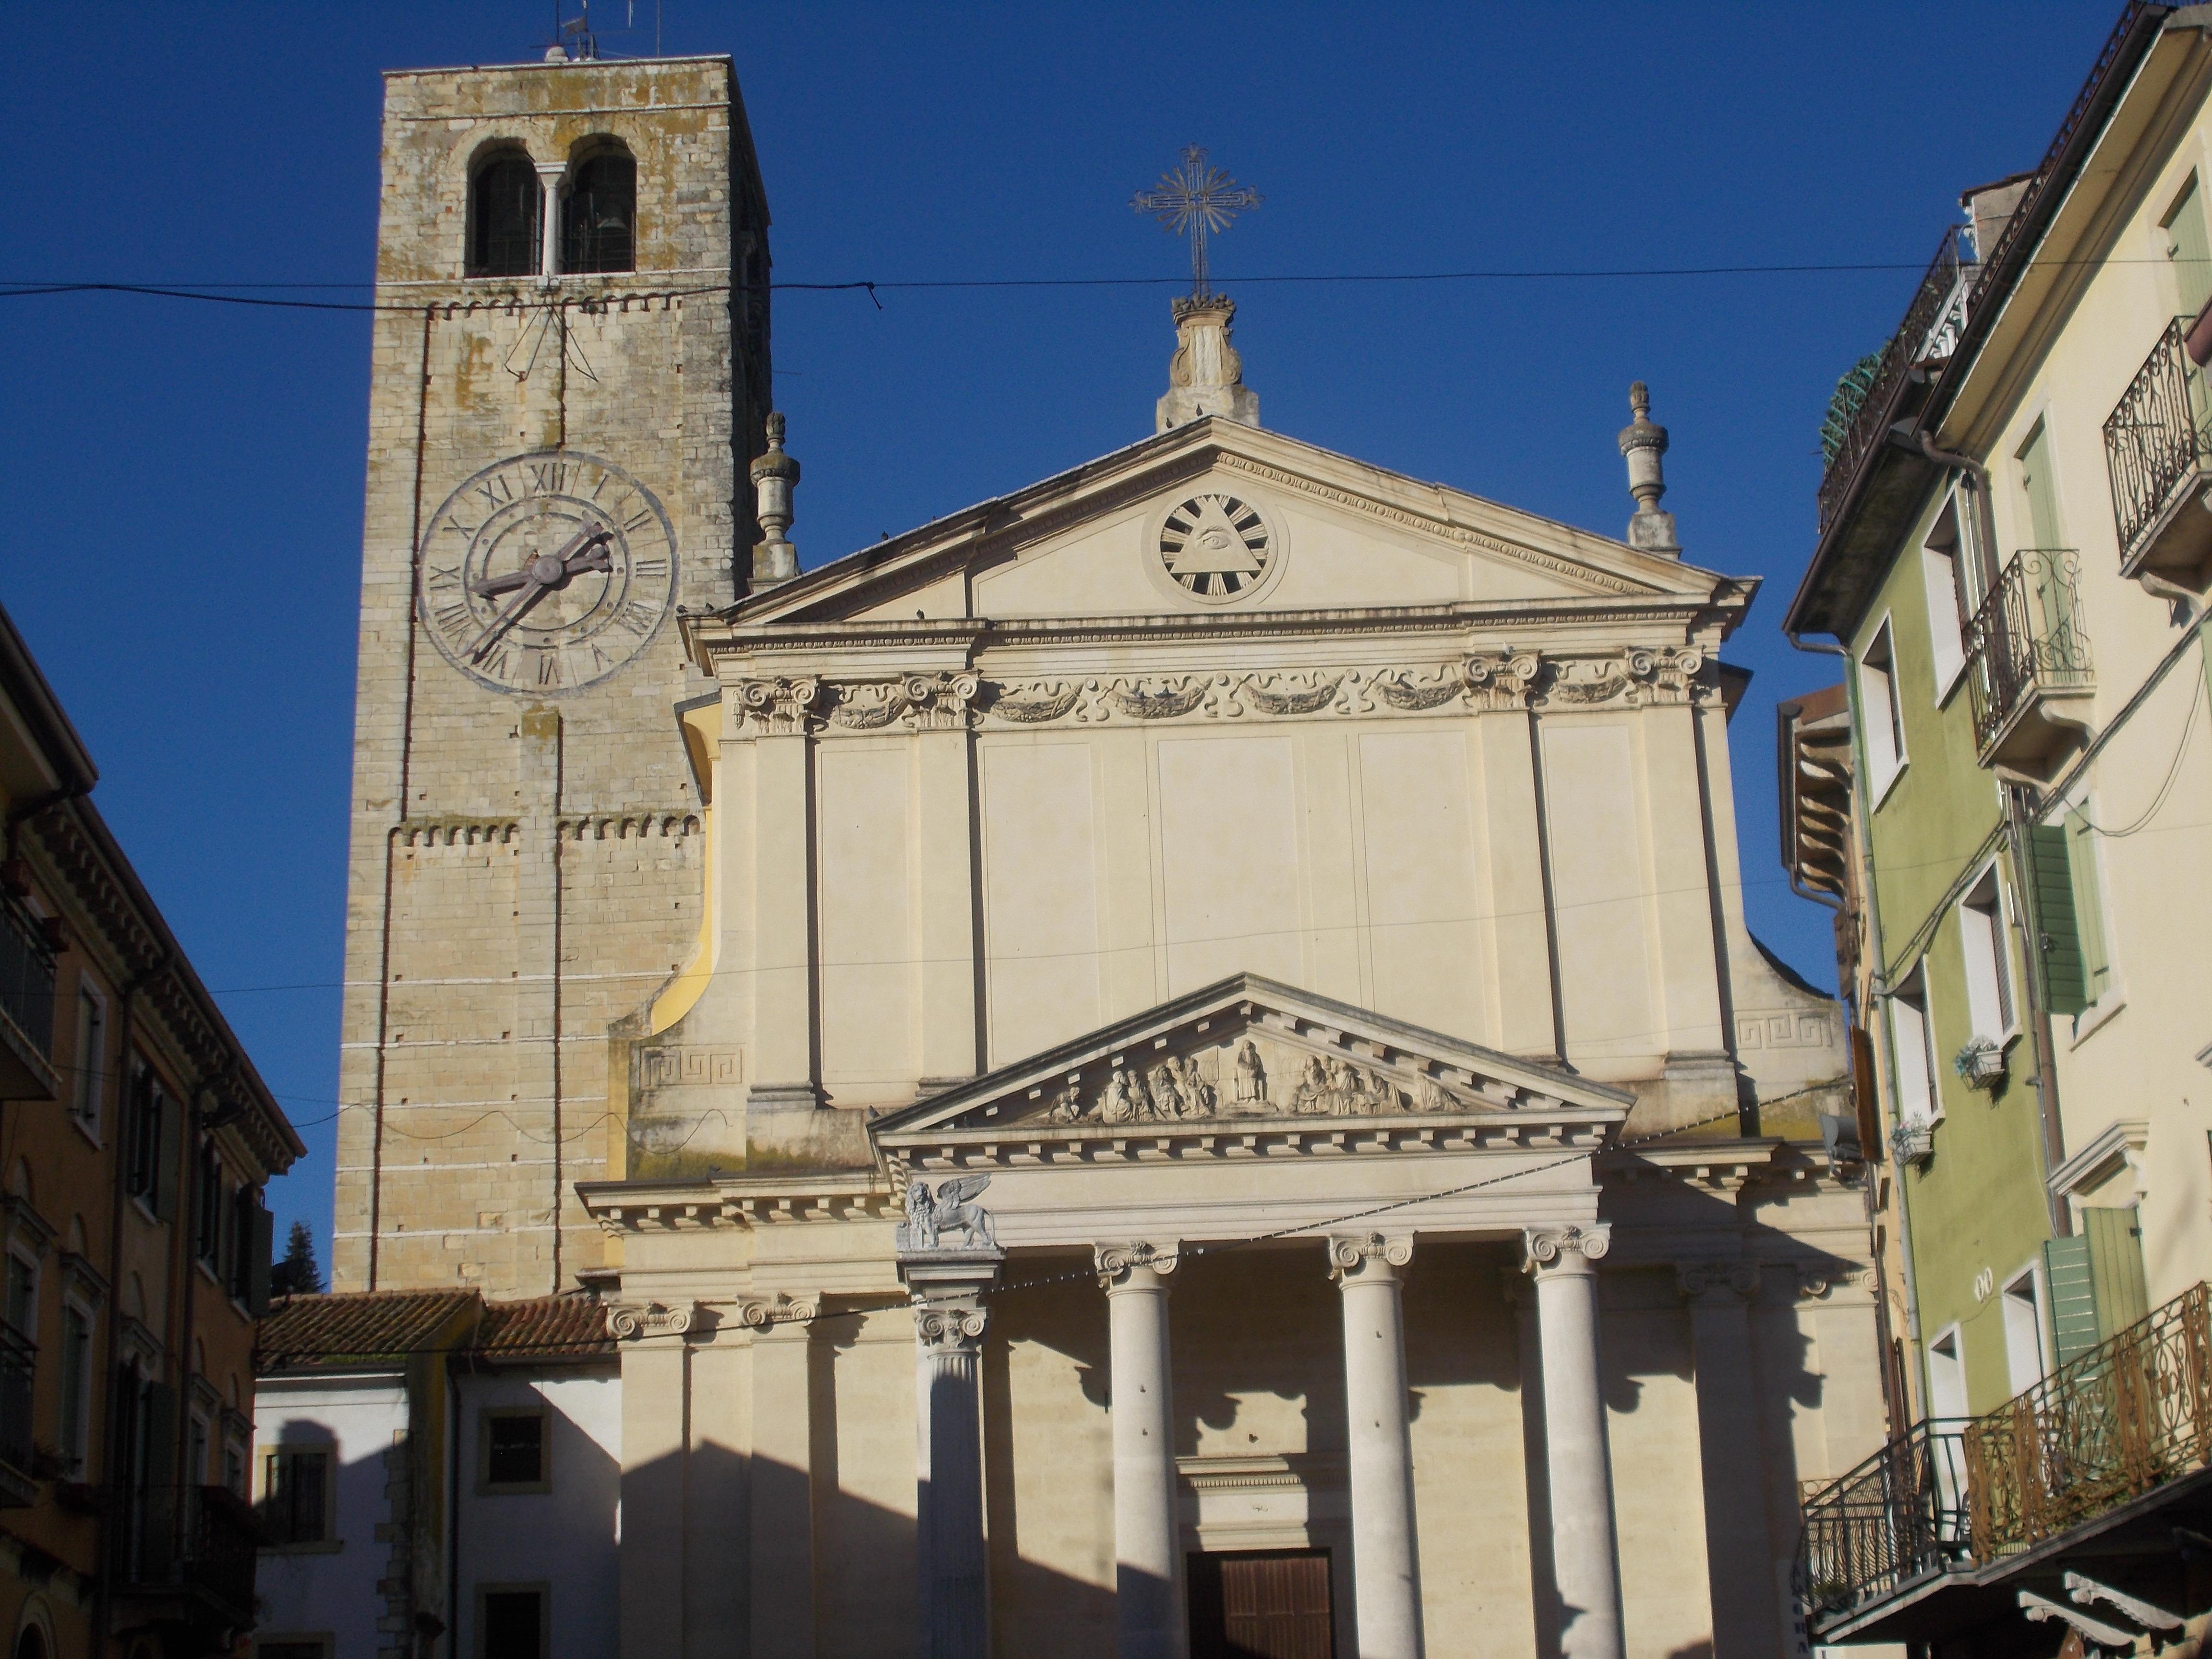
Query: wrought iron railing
[
  {"x": 18, "y": 1366},
  {"x": 1932, "y": 326},
  {"x": 2158, "y": 435},
  {"x": 2120, "y": 1421},
  {"x": 2027, "y": 638},
  {"x": 2123, "y": 1418},
  {"x": 193, "y": 1538},
  {"x": 27, "y": 976}
]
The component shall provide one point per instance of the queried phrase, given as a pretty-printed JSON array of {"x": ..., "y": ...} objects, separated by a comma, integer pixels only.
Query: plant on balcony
[
  {"x": 1981, "y": 1063},
  {"x": 1913, "y": 1140}
]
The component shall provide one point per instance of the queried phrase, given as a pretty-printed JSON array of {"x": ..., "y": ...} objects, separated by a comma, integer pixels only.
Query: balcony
[
  {"x": 2031, "y": 676},
  {"x": 2157, "y": 452},
  {"x": 187, "y": 1558},
  {"x": 27, "y": 1009},
  {"x": 1962, "y": 1526},
  {"x": 18, "y": 1365}
]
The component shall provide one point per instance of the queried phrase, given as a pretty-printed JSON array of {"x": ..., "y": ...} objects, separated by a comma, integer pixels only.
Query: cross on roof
[{"x": 1194, "y": 200}]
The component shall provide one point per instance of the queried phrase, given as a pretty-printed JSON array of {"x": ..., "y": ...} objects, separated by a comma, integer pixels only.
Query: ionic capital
[
  {"x": 1135, "y": 1264},
  {"x": 950, "y": 1330},
  {"x": 1547, "y": 1251},
  {"x": 1368, "y": 1258},
  {"x": 778, "y": 1315},
  {"x": 1717, "y": 1283},
  {"x": 627, "y": 1321}
]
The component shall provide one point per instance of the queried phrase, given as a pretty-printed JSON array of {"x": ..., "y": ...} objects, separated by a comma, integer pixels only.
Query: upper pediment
[
  {"x": 1249, "y": 1053},
  {"x": 1217, "y": 519}
]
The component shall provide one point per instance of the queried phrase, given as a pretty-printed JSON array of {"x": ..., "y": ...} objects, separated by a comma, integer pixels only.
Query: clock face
[
  {"x": 546, "y": 573},
  {"x": 1216, "y": 548}
]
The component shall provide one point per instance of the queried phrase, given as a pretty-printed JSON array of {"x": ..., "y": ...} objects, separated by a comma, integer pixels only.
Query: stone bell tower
[{"x": 570, "y": 374}]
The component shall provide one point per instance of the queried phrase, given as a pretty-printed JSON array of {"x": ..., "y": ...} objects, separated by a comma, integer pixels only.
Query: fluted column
[
  {"x": 1146, "y": 1586},
  {"x": 1369, "y": 1269},
  {"x": 1739, "y": 1555},
  {"x": 1585, "y": 1557},
  {"x": 951, "y": 1591}
]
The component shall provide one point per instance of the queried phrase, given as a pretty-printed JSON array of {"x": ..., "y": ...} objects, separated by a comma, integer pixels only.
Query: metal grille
[
  {"x": 1932, "y": 322},
  {"x": 2155, "y": 438},
  {"x": 195, "y": 1537},
  {"x": 1899, "y": 1517},
  {"x": 504, "y": 200},
  {"x": 599, "y": 215},
  {"x": 18, "y": 1368},
  {"x": 2027, "y": 637},
  {"x": 26, "y": 977}
]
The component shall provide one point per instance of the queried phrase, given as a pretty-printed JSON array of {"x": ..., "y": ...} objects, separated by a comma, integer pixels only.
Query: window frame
[
  {"x": 541, "y": 1588},
  {"x": 1887, "y": 762},
  {"x": 2037, "y": 1302},
  {"x": 1943, "y": 578},
  {"x": 1949, "y": 1343},
  {"x": 268, "y": 1484},
  {"x": 486, "y": 1415},
  {"x": 2002, "y": 991},
  {"x": 488, "y": 158},
  {"x": 1911, "y": 995},
  {"x": 87, "y": 1107}
]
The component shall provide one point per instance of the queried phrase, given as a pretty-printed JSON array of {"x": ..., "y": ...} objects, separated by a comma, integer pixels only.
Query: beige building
[{"x": 1170, "y": 1059}]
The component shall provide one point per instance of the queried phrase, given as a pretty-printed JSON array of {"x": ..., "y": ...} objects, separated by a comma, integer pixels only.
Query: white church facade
[{"x": 1167, "y": 1065}]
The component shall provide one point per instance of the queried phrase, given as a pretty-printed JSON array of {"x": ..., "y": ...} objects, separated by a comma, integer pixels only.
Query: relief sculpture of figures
[
  {"x": 950, "y": 1208},
  {"x": 1251, "y": 1076},
  {"x": 1123, "y": 1103}
]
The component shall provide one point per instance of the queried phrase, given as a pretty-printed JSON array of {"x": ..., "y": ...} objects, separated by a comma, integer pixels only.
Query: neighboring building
[
  {"x": 138, "y": 1138},
  {"x": 2014, "y": 553},
  {"x": 437, "y": 1474}
]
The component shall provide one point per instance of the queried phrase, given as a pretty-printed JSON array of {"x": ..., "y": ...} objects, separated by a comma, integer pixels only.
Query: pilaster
[
  {"x": 783, "y": 1477},
  {"x": 1738, "y": 1570},
  {"x": 945, "y": 900},
  {"x": 1517, "y": 932}
]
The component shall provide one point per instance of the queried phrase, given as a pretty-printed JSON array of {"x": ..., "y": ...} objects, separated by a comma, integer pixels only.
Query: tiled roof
[
  {"x": 351, "y": 1327},
  {"x": 551, "y": 1327}
]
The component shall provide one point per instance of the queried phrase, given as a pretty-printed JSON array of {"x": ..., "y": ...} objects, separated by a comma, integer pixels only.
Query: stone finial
[
  {"x": 1206, "y": 376},
  {"x": 774, "y": 476},
  {"x": 1642, "y": 443}
]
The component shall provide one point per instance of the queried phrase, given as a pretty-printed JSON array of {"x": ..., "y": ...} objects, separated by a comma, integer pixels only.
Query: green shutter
[
  {"x": 2073, "y": 1285},
  {"x": 2190, "y": 249},
  {"x": 2065, "y": 977},
  {"x": 2116, "y": 1259}
]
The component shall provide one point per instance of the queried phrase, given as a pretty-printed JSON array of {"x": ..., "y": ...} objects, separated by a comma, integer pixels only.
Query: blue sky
[{"x": 184, "y": 480}]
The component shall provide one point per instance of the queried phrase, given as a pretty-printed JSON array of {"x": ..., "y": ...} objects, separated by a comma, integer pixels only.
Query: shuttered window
[
  {"x": 2069, "y": 914},
  {"x": 2190, "y": 247}
]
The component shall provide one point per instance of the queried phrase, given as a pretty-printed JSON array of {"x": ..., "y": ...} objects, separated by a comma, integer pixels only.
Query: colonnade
[{"x": 1369, "y": 1270}]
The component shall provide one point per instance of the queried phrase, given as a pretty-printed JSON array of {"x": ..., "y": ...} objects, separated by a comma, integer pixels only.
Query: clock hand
[
  {"x": 536, "y": 590},
  {"x": 491, "y": 586}
]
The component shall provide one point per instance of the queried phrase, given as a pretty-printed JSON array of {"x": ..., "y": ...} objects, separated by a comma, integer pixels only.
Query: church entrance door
[{"x": 1261, "y": 1604}]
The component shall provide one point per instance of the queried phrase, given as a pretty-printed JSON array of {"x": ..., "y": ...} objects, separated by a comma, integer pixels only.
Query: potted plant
[
  {"x": 1981, "y": 1063},
  {"x": 1913, "y": 1140}
]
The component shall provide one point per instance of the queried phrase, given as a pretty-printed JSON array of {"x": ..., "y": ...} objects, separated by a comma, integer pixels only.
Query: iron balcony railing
[
  {"x": 2158, "y": 437},
  {"x": 2120, "y": 1421},
  {"x": 196, "y": 1539},
  {"x": 1898, "y": 1517},
  {"x": 18, "y": 1366},
  {"x": 27, "y": 976},
  {"x": 1932, "y": 325},
  {"x": 2027, "y": 640}
]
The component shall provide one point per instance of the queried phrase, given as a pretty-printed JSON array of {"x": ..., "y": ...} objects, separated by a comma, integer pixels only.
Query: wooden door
[{"x": 1261, "y": 1604}]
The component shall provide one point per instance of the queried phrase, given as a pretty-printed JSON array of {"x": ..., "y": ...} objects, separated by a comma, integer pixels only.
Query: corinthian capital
[{"x": 1571, "y": 1249}]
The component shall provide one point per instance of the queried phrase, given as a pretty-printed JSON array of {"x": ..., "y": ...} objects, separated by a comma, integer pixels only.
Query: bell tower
[{"x": 570, "y": 374}]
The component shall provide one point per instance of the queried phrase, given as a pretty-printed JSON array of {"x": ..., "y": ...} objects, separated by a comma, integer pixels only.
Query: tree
[{"x": 297, "y": 1273}]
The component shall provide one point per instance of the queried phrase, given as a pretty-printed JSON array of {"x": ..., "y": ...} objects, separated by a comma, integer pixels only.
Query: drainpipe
[{"x": 2017, "y": 819}]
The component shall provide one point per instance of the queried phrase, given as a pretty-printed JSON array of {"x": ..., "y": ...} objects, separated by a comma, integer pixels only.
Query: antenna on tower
[{"x": 571, "y": 37}]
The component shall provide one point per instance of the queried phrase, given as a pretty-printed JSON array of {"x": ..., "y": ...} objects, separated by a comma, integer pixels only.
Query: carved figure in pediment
[
  {"x": 1199, "y": 1097},
  {"x": 1431, "y": 1095},
  {"x": 1067, "y": 1105},
  {"x": 1312, "y": 1094},
  {"x": 1251, "y": 1076},
  {"x": 1123, "y": 1102}
]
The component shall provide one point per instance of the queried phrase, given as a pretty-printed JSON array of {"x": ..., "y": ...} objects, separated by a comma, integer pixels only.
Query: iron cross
[{"x": 1194, "y": 200}]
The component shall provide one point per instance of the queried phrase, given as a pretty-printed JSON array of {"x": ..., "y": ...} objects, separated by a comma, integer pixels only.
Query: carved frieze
[{"x": 1634, "y": 679}]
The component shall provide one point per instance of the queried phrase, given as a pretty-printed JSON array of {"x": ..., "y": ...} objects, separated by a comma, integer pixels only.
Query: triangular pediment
[
  {"x": 1219, "y": 519},
  {"x": 1249, "y": 1053}
]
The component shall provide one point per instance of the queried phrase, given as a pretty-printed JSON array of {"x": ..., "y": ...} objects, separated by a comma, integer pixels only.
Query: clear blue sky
[{"x": 184, "y": 481}]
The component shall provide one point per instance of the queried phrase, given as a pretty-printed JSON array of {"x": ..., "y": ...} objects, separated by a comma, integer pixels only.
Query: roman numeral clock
[{"x": 545, "y": 574}]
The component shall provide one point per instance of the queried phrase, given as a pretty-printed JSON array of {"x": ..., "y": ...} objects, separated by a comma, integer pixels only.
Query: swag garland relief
[{"x": 926, "y": 702}]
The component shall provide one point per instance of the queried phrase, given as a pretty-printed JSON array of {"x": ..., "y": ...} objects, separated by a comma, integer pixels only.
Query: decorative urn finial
[
  {"x": 1642, "y": 443},
  {"x": 774, "y": 476}
]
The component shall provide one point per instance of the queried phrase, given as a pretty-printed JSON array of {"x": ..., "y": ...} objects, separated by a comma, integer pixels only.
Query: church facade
[{"x": 1170, "y": 1060}]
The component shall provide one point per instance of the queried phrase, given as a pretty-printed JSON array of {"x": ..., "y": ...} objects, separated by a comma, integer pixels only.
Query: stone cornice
[{"x": 637, "y": 1206}]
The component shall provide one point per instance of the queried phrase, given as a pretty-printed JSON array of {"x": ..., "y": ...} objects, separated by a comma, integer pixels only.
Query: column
[
  {"x": 650, "y": 1567},
  {"x": 951, "y": 1591},
  {"x": 549, "y": 175},
  {"x": 1739, "y": 1556},
  {"x": 1145, "y": 1584},
  {"x": 782, "y": 1478},
  {"x": 1584, "y": 1558},
  {"x": 1369, "y": 1269}
]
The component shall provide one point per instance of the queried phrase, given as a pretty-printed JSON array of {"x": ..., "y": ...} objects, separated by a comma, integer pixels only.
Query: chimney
[
  {"x": 774, "y": 476},
  {"x": 1206, "y": 376},
  {"x": 1651, "y": 531}
]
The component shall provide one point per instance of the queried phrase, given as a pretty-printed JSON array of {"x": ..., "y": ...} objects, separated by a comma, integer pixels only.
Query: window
[
  {"x": 296, "y": 1494},
  {"x": 209, "y": 1210},
  {"x": 197, "y": 1442},
  {"x": 233, "y": 1468},
  {"x": 513, "y": 1456},
  {"x": 292, "y": 1647},
  {"x": 150, "y": 1109},
  {"x": 89, "y": 1084},
  {"x": 1878, "y": 710},
  {"x": 2040, "y": 489},
  {"x": 1989, "y": 977},
  {"x": 1947, "y": 1376},
  {"x": 23, "y": 1310},
  {"x": 1940, "y": 571},
  {"x": 77, "y": 1386},
  {"x": 599, "y": 214},
  {"x": 251, "y": 1235},
  {"x": 511, "y": 1621},
  {"x": 2190, "y": 248},
  {"x": 2023, "y": 1332},
  {"x": 504, "y": 203},
  {"x": 2069, "y": 911},
  {"x": 1918, "y": 1100}
]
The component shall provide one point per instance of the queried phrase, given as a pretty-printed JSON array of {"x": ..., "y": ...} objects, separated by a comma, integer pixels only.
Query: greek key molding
[
  {"x": 1356, "y": 1256},
  {"x": 1719, "y": 1282},
  {"x": 1118, "y": 1264},
  {"x": 627, "y": 1321},
  {"x": 1565, "y": 1250}
]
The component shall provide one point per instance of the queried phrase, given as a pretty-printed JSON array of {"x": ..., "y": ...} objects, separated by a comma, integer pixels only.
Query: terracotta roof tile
[
  {"x": 549, "y": 1326},
  {"x": 350, "y": 1327}
]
